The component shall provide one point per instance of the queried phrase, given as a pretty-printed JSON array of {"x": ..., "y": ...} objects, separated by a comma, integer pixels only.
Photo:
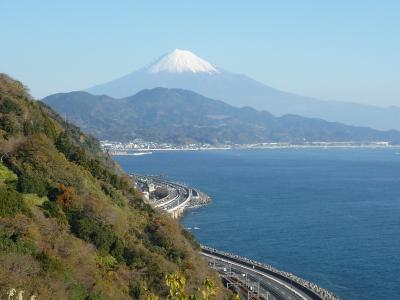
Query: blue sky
[{"x": 336, "y": 50}]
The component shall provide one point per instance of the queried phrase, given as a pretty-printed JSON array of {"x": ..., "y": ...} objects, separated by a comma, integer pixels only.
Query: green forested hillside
[
  {"x": 184, "y": 117},
  {"x": 71, "y": 225}
]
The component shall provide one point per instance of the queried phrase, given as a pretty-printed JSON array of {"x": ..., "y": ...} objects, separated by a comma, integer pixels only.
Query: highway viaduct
[{"x": 260, "y": 281}]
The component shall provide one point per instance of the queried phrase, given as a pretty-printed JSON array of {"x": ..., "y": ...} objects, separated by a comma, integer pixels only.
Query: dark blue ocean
[{"x": 331, "y": 216}]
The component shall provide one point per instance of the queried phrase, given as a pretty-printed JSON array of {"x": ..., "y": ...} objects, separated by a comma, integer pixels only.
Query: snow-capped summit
[
  {"x": 183, "y": 69},
  {"x": 179, "y": 61}
]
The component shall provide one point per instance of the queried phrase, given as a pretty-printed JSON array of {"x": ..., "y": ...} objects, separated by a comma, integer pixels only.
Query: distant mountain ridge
[
  {"x": 180, "y": 116},
  {"x": 183, "y": 69}
]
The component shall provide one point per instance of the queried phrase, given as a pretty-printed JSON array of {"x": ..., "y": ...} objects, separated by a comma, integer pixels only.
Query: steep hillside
[
  {"x": 181, "y": 116},
  {"x": 71, "y": 225}
]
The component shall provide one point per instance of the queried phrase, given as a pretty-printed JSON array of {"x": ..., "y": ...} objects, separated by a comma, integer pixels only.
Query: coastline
[
  {"x": 203, "y": 199},
  {"x": 368, "y": 162},
  {"x": 178, "y": 199},
  {"x": 139, "y": 151}
]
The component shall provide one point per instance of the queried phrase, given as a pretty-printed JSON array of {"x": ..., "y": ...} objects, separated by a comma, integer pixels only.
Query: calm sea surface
[{"x": 330, "y": 216}]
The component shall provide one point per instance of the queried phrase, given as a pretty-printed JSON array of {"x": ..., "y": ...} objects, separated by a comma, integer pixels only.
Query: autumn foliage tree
[
  {"x": 72, "y": 226},
  {"x": 64, "y": 196},
  {"x": 176, "y": 283}
]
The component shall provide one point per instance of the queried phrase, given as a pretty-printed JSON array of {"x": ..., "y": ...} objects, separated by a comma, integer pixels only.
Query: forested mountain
[
  {"x": 181, "y": 117},
  {"x": 185, "y": 70},
  {"x": 71, "y": 224}
]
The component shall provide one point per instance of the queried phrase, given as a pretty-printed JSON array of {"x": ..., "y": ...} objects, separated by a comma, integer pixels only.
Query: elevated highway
[
  {"x": 263, "y": 281},
  {"x": 179, "y": 197},
  {"x": 251, "y": 279}
]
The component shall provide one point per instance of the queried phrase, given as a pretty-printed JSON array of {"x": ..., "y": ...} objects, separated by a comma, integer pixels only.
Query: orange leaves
[{"x": 66, "y": 196}]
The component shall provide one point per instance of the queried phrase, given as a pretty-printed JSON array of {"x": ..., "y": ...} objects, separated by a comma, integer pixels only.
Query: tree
[
  {"x": 64, "y": 196},
  {"x": 8, "y": 146},
  {"x": 8, "y": 106},
  {"x": 11, "y": 202},
  {"x": 176, "y": 283},
  {"x": 32, "y": 183}
]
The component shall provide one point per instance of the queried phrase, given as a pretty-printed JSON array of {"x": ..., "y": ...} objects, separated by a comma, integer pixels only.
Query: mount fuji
[{"x": 185, "y": 70}]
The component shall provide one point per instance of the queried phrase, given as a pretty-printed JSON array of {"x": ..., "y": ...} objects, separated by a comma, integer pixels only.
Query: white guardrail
[{"x": 183, "y": 204}]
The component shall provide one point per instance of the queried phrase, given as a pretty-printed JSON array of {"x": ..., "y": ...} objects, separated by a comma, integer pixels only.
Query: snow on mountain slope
[
  {"x": 180, "y": 61},
  {"x": 183, "y": 69}
]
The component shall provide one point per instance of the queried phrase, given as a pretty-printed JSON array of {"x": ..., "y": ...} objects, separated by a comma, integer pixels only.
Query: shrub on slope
[{"x": 71, "y": 225}]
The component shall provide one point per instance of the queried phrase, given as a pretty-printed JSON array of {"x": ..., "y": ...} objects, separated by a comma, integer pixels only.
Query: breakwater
[
  {"x": 173, "y": 197},
  {"x": 311, "y": 290},
  {"x": 259, "y": 195}
]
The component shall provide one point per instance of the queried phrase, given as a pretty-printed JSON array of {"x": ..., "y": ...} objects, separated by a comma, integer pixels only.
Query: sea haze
[{"x": 331, "y": 216}]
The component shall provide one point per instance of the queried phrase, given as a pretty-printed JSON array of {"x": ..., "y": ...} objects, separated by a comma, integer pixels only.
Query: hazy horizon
[{"x": 332, "y": 51}]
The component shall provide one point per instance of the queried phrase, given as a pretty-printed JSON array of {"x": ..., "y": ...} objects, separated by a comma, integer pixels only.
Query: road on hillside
[{"x": 269, "y": 287}]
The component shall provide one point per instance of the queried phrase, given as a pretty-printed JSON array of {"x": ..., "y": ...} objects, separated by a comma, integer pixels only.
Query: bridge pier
[{"x": 175, "y": 214}]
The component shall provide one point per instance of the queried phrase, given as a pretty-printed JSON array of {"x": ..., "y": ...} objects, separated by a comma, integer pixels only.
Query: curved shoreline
[
  {"x": 310, "y": 288},
  {"x": 203, "y": 199}
]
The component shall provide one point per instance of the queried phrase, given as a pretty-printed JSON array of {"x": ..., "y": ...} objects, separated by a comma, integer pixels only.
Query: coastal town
[{"x": 139, "y": 146}]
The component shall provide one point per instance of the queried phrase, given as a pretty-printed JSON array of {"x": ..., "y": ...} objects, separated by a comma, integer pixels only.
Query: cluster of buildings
[{"x": 138, "y": 145}]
